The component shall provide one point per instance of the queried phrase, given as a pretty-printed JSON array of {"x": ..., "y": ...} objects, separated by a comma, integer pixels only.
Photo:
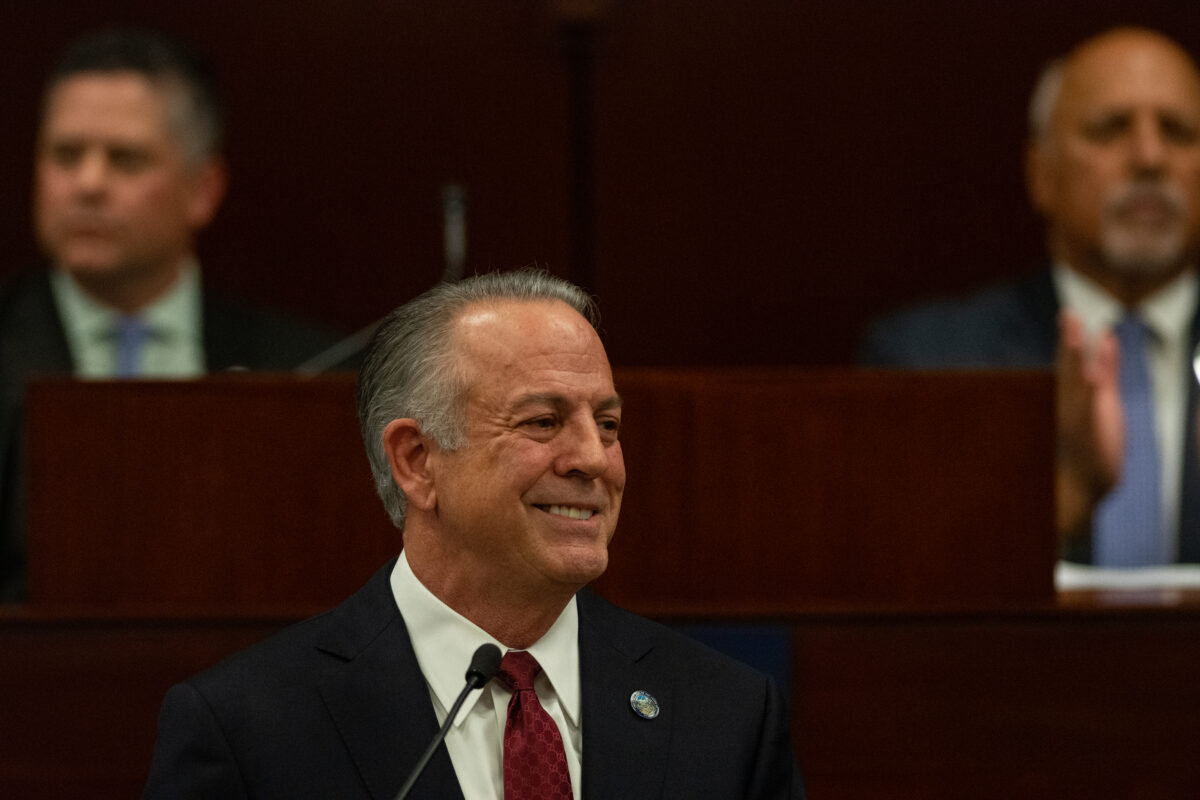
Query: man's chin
[
  {"x": 105, "y": 273},
  {"x": 577, "y": 569},
  {"x": 1146, "y": 257},
  {"x": 97, "y": 266}
]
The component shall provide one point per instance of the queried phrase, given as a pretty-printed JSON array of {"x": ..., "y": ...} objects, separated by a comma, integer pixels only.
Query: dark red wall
[{"x": 740, "y": 182}]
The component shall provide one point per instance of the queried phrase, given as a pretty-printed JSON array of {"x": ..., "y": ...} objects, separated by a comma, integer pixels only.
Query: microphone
[
  {"x": 454, "y": 230},
  {"x": 454, "y": 243},
  {"x": 484, "y": 666},
  {"x": 341, "y": 350}
]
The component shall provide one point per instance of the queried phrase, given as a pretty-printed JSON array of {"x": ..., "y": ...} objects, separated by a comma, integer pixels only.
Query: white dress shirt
[
  {"x": 174, "y": 347},
  {"x": 1168, "y": 313},
  {"x": 444, "y": 642}
]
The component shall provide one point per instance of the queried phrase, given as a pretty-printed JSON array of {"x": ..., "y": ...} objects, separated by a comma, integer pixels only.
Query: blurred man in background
[
  {"x": 1113, "y": 165},
  {"x": 128, "y": 170}
]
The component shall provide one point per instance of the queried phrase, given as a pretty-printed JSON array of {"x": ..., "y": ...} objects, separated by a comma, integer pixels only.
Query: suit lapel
[
  {"x": 378, "y": 698},
  {"x": 32, "y": 344},
  {"x": 225, "y": 341},
  {"x": 34, "y": 341},
  {"x": 623, "y": 754},
  {"x": 1189, "y": 507},
  {"x": 1035, "y": 331}
]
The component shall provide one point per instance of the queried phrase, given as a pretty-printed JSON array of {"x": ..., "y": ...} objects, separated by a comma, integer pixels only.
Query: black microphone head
[{"x": 484, "y": 665}]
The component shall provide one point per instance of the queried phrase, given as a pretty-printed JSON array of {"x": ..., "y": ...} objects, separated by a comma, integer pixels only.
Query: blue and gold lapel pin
[{"x": 644, "y": 704}]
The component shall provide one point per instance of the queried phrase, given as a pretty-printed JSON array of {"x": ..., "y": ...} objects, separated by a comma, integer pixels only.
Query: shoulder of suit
[
  {"x": 1009, "y": 324},
  {"x": 299, "y": 651},
  {"x": 639, "y": 638}
]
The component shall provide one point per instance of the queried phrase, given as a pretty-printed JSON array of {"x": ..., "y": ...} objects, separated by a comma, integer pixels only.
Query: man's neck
[
  {"x": 129, "y": 291},
  {"x": 1130, "y": 289},
  {"x": 515, "y": 616}
]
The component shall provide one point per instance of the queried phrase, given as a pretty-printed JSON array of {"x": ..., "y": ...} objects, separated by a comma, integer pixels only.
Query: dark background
[{"x": 738, "y": 182}]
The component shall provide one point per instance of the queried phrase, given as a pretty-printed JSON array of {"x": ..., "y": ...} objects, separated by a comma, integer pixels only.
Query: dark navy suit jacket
[
  {"x": 336, "y": 707},
  {"x": 1014, "y": 325},
  {"x": 33, "y": 343}
]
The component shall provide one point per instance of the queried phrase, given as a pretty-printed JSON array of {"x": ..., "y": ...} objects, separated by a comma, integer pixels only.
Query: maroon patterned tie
[{"x": 535, "y": 764}]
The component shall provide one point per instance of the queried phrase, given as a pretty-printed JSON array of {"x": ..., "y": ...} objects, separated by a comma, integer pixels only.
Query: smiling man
[
  {"x": 492, "y": 426},
  {"x": 1113, "y": 165}
]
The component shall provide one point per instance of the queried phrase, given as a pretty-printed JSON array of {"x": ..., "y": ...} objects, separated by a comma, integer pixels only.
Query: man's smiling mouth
[{"x": 568, "y": 511}]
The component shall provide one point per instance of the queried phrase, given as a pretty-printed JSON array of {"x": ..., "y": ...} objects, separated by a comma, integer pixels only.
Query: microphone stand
[{"x": 484, "y": 666}]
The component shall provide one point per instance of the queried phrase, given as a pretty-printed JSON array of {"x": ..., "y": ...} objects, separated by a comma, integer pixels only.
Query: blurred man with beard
[{"x": 1113, "y": 165}]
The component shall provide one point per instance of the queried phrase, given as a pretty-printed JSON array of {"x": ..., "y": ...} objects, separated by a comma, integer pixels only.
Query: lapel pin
[{"x": 644, "y": 704}]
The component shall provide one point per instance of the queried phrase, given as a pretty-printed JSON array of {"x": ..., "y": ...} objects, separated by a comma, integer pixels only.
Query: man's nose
[
  {"x": 583, "y": 450},
  {"x": 1148, "y": 147},
  {"x": 91, "y": 172}
]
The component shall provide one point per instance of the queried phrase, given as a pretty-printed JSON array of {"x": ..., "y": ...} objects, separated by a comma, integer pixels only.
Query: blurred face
[
  {"x": 114, "y": 196},
  {"x": 532, "y": 499},
  {"x": 1118, "y": 174}
]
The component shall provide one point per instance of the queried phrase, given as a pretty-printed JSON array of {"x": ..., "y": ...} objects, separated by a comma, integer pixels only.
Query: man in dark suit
[
  {"x": 492, "y": 426},
  {"x": 1113, "y": 164},
  {"x": 128, "y": 172}
]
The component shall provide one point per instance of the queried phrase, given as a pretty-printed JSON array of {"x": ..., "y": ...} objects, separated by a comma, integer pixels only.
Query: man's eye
[
  {"x": 1178, "y": 131},
  {"x": 128, "y": 160},
  {"x": 66, "y": 155},
  {"x": 610, "y": 425},
  {"x": 1105, "y": 130},
  {"x": 542, "y": 423}
]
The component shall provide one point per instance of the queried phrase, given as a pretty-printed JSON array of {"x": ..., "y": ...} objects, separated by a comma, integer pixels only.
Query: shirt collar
[
  {"x": 444, "y": 641},
  {"x": 558, "y": 654},
  {"x": 176, "y": 313},
  {"x": 1168, "y": 311}
]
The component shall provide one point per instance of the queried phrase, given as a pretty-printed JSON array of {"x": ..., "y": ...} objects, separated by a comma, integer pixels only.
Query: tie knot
[
  {"x": 130, "y": 332},
  {"x": 517, "y": 670},
  {"x": 1132, "y": 329}
]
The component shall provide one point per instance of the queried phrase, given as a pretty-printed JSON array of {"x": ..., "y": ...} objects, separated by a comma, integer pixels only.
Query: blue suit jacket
[
  {"x": 1015, "y": 325},
  {"x": 336, "y": 707}
]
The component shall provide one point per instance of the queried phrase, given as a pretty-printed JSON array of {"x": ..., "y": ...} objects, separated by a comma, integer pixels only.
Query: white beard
[{"x": 1137, "y": 248}]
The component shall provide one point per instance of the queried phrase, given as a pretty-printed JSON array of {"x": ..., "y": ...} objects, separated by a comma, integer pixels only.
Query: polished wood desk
[
  {"x": 750, "y": 491},
  {"x": 1089, "y": 697}
]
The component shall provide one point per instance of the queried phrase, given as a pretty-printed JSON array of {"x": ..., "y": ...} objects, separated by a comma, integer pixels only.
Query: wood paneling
[
  {"x": 751, "y": 491},
  {"x": 1095, "y": 701},
  {"x": 234, "y": 490}
]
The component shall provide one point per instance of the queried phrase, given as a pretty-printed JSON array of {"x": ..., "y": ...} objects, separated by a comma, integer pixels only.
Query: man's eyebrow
[
  {"x": 555, "y": 399},
  {"x": 610, "y": 403}
]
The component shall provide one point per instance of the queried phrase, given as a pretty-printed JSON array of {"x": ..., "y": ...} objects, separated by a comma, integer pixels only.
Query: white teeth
[{"x": 568, "y": 511}]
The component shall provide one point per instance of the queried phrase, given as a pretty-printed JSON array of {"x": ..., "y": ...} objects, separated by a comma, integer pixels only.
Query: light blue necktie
[
  {"x": 130, "y": 334},
  {"x": 1129, "y": 530}
]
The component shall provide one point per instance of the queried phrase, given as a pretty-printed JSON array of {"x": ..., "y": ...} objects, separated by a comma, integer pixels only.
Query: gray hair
[
  {"x": 410, "y": 372},
  {"x": 1044, "y": 99},
  {"x": 191, "y": 91}
]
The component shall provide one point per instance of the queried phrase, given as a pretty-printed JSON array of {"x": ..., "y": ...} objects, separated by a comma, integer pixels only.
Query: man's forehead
[
  {"x": 526, "y": 325},
  {"x": 1130, "y": 69},
  {"x": 105, "y": 98},
  {"x": 533, "y": 341}
]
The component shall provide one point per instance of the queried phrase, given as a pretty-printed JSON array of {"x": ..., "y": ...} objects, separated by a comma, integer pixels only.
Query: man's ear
[
  {"x": 408, "y": 455},
  {"x": 209, "y": 182},
  {"x": 1039, "y": 178}
]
